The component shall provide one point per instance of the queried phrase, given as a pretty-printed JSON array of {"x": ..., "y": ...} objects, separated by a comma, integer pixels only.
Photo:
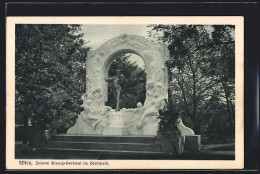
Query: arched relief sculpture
[{"x": 95, "y": 118}]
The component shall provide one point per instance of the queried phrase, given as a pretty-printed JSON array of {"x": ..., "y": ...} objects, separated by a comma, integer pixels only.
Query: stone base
[
  {"x": 123, "y": 122},
  {"x": 172, "y": 145},
  {"x": 192, "y": 143},
  {"x": 116, "y": 124},
  {"x": 115, "y": 131}
]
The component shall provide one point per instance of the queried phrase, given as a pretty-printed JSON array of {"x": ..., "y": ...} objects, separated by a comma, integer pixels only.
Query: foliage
[
  {"x": 221, "y": 66},
  {"x": 49, "y": 74},
  {"x": 167, "y": 118},
  {"x": 201, "y": 67},
  {"x": 133, "y": 86}
]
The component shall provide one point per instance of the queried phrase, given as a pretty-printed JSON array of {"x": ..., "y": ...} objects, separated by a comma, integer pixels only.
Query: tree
[
  {"x": 186, "y": 57},
  {"x": 196, "y": 53},
  {"x": 221, "y": 66},
  {"x": 49, "y": 74}
]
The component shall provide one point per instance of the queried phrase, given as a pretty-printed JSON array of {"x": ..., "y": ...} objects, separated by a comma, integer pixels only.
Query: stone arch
[{"x": 154, "y": 56}]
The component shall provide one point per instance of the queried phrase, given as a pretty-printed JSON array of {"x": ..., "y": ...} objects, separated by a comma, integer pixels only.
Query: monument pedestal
[
  {"x": 115, "y": 131},
  {"x": 116, "y": 124}
]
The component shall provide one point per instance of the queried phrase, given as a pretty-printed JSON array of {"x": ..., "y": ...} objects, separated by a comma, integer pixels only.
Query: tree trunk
[
  {"x": 184, "y": 95},
  {"x": 25, "y": 128},
  {"x": 227, "y": 96},
  {"x": 195, "y": 103}
]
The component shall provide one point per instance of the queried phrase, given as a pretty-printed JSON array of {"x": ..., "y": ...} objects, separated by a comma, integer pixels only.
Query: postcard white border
[{"x": 238, "y": 163}]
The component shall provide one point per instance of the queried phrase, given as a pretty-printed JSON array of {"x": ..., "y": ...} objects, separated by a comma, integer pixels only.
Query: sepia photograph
[{"x": 125, "y": 93}]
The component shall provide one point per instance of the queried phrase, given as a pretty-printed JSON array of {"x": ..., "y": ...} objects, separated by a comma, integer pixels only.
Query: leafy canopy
[
  {"x": 201, "y": 70},
  {"x": 49, "y": 73}
]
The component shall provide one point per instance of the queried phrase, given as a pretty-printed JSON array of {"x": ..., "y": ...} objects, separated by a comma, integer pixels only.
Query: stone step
[
  {"x": 97, "y": 138},
  {"x": 70, "y": 153},
  {"x": 104, "y": 146}
]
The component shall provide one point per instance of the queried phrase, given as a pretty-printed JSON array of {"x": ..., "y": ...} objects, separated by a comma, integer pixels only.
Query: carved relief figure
[
  {"x": 158, "y": 102},
  {"x": 94, "y": 107},
  {"x": 151, "y": 109}
]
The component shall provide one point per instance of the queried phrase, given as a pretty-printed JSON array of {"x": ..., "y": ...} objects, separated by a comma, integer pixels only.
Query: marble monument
[{"x": 99, "y": 119}]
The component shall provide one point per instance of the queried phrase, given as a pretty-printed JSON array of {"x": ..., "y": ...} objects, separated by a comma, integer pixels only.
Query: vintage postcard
[{"x": 125, "y": 93}]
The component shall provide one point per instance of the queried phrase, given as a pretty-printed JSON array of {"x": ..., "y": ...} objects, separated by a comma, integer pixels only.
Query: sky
[{"x": 96, "y": 35}]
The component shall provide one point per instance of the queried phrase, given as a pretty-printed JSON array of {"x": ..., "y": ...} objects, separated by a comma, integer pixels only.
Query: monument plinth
[{"x": 116, "y": 124}]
